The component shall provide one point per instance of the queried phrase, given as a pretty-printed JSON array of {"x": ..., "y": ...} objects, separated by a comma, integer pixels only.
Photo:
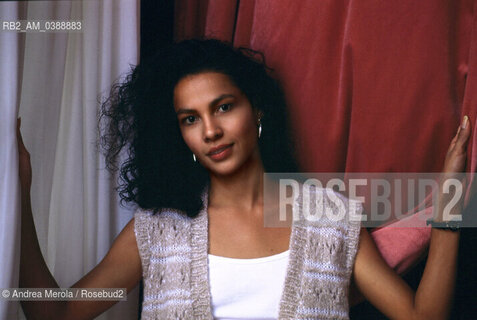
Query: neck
[{"x": 243, "y": 189}]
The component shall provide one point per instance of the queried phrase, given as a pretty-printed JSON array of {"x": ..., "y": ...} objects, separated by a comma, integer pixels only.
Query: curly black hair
[{"x": 138, "y": 118}]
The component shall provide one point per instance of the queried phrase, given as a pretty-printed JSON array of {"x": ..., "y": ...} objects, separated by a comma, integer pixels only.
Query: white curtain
[
  {"x": 10, "y": 68},
  {"x": 54, "y": 81}
]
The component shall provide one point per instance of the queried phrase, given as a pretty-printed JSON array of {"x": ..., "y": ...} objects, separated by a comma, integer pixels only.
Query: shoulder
[
  {"x": 158, "y": 232},
  {"x": 150, "y": 227},
  {"x": 145, "y": 219}
]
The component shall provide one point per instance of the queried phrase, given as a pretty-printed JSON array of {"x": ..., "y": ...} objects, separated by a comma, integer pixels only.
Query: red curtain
[
  {"x": 373, "y": 86},
  {"x": 362, "y": 77}
]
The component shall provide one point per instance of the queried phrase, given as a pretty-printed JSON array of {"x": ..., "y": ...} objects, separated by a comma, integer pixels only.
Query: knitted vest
[{"x": 173, "y": 250}]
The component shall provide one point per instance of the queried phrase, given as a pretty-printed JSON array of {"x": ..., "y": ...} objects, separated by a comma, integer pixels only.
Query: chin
[
  {"x": 222, "y": 172},
  {"x": 223, "y": 169}
]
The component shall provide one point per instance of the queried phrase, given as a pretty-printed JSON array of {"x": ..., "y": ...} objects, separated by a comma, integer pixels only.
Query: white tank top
[{"x": 247, "y": 288}]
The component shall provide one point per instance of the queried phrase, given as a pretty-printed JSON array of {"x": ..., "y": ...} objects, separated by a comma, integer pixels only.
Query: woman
[{"x": 202, "y": 122}]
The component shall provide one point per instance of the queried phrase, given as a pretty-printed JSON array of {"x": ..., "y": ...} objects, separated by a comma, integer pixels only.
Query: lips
[{"x": 218, "y": 149}]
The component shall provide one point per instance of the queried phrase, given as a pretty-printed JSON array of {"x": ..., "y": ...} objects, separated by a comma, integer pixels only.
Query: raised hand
[
  {"x": 454, "y": 168},
  {"x": 457, "y": 152}
]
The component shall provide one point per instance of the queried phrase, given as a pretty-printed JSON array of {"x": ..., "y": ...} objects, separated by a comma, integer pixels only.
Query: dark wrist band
[{"x": 444, "y": 225}]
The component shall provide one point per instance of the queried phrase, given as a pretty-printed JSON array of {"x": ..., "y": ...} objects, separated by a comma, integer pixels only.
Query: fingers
[
  {"x": 454, "y": 140},
  {"x": 21, "y": 146},
  {"x": 19, "y": 134},
  {"x": 463, "y": 133}
]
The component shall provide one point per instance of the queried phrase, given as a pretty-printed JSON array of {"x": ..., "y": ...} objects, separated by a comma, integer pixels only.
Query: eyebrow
[{"x": 211, "y": 104}]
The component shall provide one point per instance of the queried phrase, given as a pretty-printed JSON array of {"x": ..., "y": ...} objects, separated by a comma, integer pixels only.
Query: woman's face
[{"x": 217, "y": 122}]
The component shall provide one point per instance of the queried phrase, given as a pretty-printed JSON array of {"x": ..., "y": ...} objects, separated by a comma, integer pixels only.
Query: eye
[
  {"x": 225, "y": 107},
  {"x": 188, "y": 120}
]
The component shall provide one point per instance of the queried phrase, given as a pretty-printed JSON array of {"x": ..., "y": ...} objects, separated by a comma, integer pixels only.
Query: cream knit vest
[{"x": 173, "y": 250}]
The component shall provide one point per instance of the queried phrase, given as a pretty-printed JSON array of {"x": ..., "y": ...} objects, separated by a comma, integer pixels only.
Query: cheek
[
  {"x": 245, "y": 128},
  {"x": 190, "y": 139}
]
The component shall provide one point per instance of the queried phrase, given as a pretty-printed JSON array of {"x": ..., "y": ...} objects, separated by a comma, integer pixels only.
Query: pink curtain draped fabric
[{"x": 373, "y": 86}]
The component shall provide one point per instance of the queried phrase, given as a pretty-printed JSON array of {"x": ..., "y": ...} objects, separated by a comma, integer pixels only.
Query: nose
[{"x": 212, "y": 130}]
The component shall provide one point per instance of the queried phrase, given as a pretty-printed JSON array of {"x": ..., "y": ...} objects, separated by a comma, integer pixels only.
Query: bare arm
[
  {"x": 414, "y": 245},
  {"x": 34, "y": 272},
  {"x": 433, "y": 299},
  {"x": 120, "y": 268},
  {"x": 392, "y": 296}
]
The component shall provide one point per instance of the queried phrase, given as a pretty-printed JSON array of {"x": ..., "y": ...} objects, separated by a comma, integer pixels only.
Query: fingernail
[{"x": 464, "y": 122}]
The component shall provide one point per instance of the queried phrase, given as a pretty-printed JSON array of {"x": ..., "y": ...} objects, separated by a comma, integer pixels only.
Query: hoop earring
[{"x": 193, "y": 157}]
